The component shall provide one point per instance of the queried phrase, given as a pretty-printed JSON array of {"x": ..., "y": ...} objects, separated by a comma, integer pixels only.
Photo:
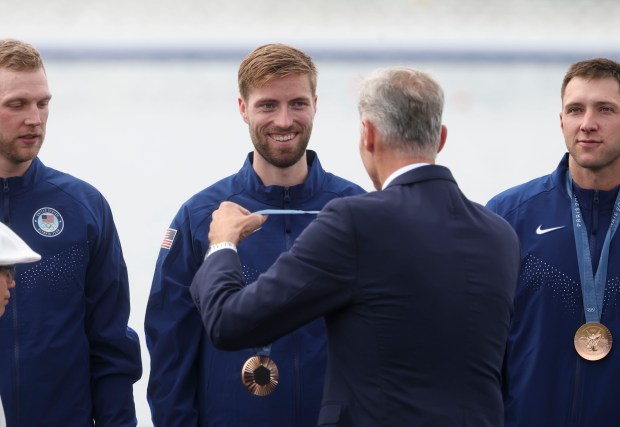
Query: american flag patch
[{"x": 168, "y": 238}]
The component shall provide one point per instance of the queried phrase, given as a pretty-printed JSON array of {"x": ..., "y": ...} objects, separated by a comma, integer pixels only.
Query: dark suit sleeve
[{"x": 315, "y": 277}]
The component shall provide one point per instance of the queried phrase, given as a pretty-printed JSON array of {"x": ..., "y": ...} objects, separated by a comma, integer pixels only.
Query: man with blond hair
[
  {"x": 68, "y": 358},
  {"x": 280, "y": 384}
]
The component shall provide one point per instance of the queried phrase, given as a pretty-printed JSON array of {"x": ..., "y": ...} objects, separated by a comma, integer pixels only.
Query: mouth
[
  {"x": 30, "y": 138},
  {"x": 283, "y": 138},
  {"x": 588, "y": 142}
]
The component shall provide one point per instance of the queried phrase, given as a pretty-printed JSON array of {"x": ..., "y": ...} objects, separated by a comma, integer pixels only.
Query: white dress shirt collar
[{"x": 399, "y": 172}]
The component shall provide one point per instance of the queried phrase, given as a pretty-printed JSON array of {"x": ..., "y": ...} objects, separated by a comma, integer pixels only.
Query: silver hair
[{"x": 406, "y": 106}]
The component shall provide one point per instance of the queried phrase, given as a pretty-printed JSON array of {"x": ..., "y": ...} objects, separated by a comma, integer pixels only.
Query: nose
[
  {"x": 11, "y": 284},
  {"x": 283, "y": 118},
  {"x": 588, "y": 123},
  {"x": 33, "y": 117}
]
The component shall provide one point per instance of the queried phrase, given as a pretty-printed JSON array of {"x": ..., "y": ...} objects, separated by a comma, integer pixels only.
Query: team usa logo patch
[
  {"x": 48, "y": 222},
  {"x": 169, "y": 238}
]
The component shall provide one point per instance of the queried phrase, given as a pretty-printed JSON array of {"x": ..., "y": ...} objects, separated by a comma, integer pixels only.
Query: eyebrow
[
  {"x": 20, "y": 97},
  {"x": 274, "y": 100},
  {"x": 263, "y": 100},
  {"x": 596, "y": 103}
]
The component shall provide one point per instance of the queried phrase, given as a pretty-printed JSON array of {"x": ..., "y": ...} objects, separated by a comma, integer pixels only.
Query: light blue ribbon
[
  {"x": 284, "y": 212},
  {"x": 592, "y": 286}
]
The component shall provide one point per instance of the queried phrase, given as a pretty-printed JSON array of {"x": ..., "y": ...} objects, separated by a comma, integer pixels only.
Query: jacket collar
[
  {"x": 584, "y": 196},
  {"x": 423, "y": 173},
  {"x": 28, "y": 179},
  {"x": 277, "y": 195}
]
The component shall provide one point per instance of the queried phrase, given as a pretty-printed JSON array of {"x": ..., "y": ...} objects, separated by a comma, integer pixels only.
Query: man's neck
[
  {"x": 10, "y": 169},
  {"x": 589, "y": 179},
  {"x": 284, "y": 177}
]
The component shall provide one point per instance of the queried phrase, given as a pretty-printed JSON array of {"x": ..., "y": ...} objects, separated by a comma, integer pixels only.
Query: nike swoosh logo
[{"x": 541, "y": 230}]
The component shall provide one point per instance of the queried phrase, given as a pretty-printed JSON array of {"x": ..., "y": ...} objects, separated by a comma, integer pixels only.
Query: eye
[
  {"x": 300, "y": 104},
  {"x": 15, "y": 105},
  {"x": 607, "y": 109},
  {"x": 573, "y": 109}
]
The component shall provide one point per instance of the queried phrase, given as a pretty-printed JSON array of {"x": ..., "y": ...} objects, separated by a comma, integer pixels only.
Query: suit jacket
[{"x": 416, "y": 284}]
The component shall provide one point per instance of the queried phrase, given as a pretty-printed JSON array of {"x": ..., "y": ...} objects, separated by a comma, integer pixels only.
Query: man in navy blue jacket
[
  {"x": 560, "y": 368},
  {"x": 415, "y": 281},
  {"x": 67, "y": 356},
  {"x": 191, "y": 382}
]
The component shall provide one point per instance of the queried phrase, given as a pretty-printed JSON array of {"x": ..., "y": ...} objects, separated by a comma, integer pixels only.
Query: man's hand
[{"x": 232, "y": 223}]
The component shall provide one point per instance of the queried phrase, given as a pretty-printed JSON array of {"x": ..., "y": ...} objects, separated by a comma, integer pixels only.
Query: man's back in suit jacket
[{"x": 416, "y": 285}]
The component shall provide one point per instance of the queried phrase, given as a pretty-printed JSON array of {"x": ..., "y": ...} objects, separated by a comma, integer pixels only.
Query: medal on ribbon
[
  {"x": 260, "y": 375},
  {"x": 593, "y": 341}
]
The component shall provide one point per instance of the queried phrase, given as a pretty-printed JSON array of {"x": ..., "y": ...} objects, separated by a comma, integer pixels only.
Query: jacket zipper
[
  {"x": 296, "y": 339},
  {"x": 287, "y": 218},
  {"x": 594, "y": 230},
  {"x": 5, "y": 190}
]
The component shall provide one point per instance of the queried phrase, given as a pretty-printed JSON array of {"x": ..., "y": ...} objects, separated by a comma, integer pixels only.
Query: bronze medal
[
  {"x": 260, "y": 375},
  {"x": 593, "y": 341}
]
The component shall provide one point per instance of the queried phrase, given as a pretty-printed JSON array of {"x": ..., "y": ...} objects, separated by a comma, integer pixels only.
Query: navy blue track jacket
[
  {"x": 191, "y": 382},
  {"x": 67, "y": 357},
  {"x": 546, "y": 383}
]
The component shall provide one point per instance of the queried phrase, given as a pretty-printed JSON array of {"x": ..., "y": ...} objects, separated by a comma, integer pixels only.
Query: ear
[
  {"x": 243, "y": 110},
  {"x": 443, "y": 136},
  {"x": 369, "y": 134},
  {"x": 561, "y": 122}
]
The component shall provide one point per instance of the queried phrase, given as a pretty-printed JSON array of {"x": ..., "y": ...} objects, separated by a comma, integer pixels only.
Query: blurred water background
[{"x": 145, "y": 92}]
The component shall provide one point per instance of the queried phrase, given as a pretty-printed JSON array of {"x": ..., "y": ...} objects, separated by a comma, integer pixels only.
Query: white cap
[{"x": 13, "y": 250}]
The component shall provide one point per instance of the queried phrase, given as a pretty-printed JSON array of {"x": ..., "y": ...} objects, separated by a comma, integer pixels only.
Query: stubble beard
[
  {"x": 278, "y": 156},
  {"x": 15, "y": 156}
]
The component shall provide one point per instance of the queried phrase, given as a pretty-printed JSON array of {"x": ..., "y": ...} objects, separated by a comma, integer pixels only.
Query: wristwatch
[{"x": 219, "y": 246}]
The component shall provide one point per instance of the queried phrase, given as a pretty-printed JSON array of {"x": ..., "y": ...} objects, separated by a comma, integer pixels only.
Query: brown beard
[{"x": 282, "y": 157}]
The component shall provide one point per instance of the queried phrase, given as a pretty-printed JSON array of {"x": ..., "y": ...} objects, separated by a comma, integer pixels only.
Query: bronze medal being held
[
  {"x": 260, "y": 375},
  {"x": 593, "y": 341}
]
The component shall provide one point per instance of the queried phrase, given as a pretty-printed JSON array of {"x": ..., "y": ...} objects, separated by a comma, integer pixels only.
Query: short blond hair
[
  {"x": 19, "y": 56},
  {"x": 274, "y": 60}
]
